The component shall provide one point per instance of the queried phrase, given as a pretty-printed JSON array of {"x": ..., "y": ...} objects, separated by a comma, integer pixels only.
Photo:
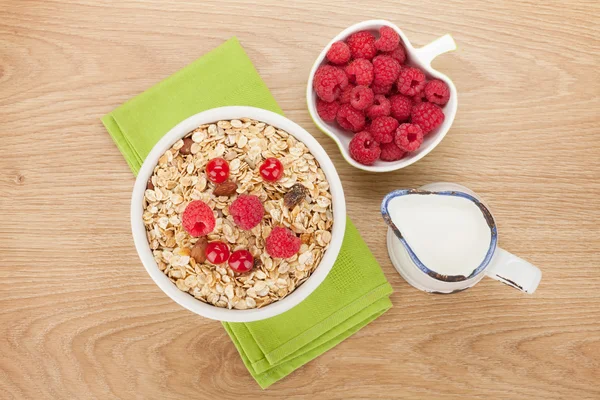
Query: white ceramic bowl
[
  {"x": 185, "y": 299},
  {"x": 421, "y": 58}
]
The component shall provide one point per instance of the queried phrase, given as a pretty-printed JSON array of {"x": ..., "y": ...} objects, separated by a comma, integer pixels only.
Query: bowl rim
[
  {"x": 139, "y": 230},
  {"x": 414, "y": 53}
]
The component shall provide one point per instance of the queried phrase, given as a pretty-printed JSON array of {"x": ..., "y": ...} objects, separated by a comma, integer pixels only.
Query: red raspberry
[
  {"x": 388, "y": 39},
  {"x": 198, "y": 219},
  {"x": 419, "y": 97},
  {"x": 361, "y": 98},
  {"x": 327, "y": 111},
  {"x": 437, "y": 92},
  {"x": 410, "y": 81},
  {"x": 428, "y": 116},
  {"x": 346, "y": 94},
  {"x": 382, "y": 89},
  {"x": 380, "y": 108},
  {"x": 364, "y": 149},
  {"x": 409, "y": 137},
  {"x": 362, "y": 45},
  {"x": 398, "y": 54},
  {"x": 360, "y": 72},
  {"x": 391, "y": 152},
  {"x": 383, "y": 128},
  {"x": 338, "y": 53},
  {"x": 350, "y": 118},
  {"x": 400, "y": 107},
  {"x": 247, "y": 211},
  {"x": 385, "y": 70},
  {"x": 282, "y": 243},
  {"x": 329, "y": 81}
]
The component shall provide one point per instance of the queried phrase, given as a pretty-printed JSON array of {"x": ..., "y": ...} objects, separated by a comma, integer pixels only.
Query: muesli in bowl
[{"x": 238, "y": 213}]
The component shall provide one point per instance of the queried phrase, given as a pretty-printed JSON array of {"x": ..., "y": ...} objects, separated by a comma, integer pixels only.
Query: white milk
[{"x": 449, "y": 234}]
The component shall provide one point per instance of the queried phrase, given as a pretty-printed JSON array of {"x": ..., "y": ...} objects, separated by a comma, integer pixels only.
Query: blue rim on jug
[{"x": 447, "y": 278}]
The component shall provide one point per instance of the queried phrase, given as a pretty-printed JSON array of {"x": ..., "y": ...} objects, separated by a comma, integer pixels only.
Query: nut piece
[
  {"x": 150, "y": 185},
  {"x": 295, "y": 196},
  {"x": 199, "y": 250},
  {"x": 187, "y": 146},
  {"x": 226, "y": 188}
]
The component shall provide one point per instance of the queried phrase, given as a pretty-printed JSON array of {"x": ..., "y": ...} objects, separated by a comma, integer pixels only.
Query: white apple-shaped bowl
[{"x": 419, "y": 57}]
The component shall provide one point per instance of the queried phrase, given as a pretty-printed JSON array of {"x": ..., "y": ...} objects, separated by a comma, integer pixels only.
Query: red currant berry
[
  {"x": 271, "y": 170},
  {"x": 217, "y": 252},
  {"x": 217, "y": 170},
  {"x": 241, "y": 261}
]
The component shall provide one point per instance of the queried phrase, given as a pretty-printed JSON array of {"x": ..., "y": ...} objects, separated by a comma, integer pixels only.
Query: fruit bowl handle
[{"x": 439, "y": 46}]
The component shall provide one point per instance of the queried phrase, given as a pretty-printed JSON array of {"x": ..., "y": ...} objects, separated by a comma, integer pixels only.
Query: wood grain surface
[{"x": 81, "y": 319}]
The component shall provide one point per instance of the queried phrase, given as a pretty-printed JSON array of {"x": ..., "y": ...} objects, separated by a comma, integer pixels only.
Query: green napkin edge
[
  {"x": 307, "y": 340},
  {"x": 324, "y": 343},
  {"x": 134, "y": 160}
]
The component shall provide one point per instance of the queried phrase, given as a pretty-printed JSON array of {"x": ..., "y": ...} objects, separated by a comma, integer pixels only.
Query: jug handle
[{"x": 514, "y": 271}]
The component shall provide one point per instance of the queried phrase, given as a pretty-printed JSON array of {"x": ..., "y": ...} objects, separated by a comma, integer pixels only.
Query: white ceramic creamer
[{"x": 442, "y": 238}]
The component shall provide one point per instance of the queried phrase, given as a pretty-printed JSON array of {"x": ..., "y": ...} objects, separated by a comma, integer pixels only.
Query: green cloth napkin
[{"x": 354, "y": 293}]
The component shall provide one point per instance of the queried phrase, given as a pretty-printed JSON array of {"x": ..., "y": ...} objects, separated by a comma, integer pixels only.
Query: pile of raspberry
[{"x": 367, "y": 89}]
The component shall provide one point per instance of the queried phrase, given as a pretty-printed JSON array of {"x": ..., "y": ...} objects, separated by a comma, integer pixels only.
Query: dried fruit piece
[
  {"x": 226, "y": 188},
  {"x": 241, "y": 261},
  {"x": 150, "y": 185},
  {"x": 295, "y": 196},
  {"x": 198, "y": 252},
  {"x": 217, "y": 252},
  {"x": 271, "y": 170},
  {"x": 217, "y": 170},
  {"x": 187, "y": 146}
]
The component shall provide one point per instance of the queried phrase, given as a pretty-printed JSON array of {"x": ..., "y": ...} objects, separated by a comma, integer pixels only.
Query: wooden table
[{"x": 81, "y": 319}]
